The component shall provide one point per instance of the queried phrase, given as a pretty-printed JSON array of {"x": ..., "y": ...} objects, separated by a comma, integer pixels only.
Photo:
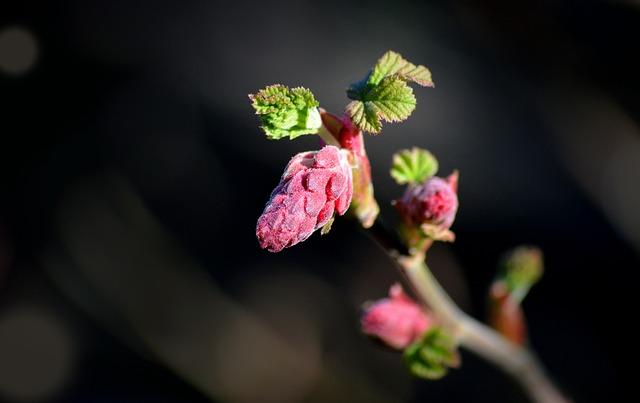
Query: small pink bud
[
  {"x": 434, "y": 202},
  {"x": 398, "y": 321},
  {"x": 314, "y": 185}
]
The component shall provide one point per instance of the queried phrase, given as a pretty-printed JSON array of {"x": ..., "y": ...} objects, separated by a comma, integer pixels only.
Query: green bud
[{"x": 520, "y": 270}]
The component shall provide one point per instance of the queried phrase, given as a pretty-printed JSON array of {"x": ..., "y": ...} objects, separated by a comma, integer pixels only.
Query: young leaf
[
  {"x": 391, "y": 63},
  {"x": 391, "y": 100},
  {"x": 384, "y": 93},
  {"x": 286, "y": 112},
  {"x": 413, "y": 166},
  {"x": 433, "y": 355}
]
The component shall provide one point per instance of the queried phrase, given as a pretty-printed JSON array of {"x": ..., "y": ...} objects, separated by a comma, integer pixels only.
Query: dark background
[{"x": 132, "y": 172}]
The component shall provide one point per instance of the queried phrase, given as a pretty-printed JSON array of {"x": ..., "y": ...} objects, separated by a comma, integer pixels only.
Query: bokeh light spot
[
  {"x": 18, "y": 50},
  {"x": 37, "y": 355}
]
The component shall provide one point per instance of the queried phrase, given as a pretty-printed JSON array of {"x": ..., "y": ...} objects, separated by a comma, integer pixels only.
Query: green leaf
[
  {"x": 391, "y": 63},
  {"x": 413, "y": 166},
  {"x": 433, "y": 355},
  {"x": 286, "y": 112},
  {"x": 384, "y": 93},
  {"x": 420, "y": 367},
  {"x": 391, "y": 100}
]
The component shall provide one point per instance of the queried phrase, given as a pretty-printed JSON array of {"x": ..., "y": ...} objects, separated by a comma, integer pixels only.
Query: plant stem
[{"x": 517, "y": 361}]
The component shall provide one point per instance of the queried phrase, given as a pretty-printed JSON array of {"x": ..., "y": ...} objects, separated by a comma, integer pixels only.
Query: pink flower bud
[
  {"x": 434, "y": 202},
  {"x": 314, "y": 185},
  {"x": 397, "y": 321}
]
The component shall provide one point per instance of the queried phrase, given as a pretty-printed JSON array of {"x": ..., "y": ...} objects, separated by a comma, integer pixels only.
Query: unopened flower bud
[
  {"x": 431, "y": 205},
  {"x": 397, "y": 321},
  {"x": 314, "y": 186}
]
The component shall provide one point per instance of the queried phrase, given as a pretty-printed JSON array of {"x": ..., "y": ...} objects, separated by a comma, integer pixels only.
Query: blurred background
[{"x": 133, "y": 171}]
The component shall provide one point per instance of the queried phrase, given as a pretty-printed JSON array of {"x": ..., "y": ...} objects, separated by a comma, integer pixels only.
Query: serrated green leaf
[
  {"x": 286, "y": 112},
  {"x": 413, "y": 166},
  {"x": 365, "y": 118},
  {"x": 392, "y": 63},
  {"x": 384, "y": 93},
  {"x": 391, "y": 100}
]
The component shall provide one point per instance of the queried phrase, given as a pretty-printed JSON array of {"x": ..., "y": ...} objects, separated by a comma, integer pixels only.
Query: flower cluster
[
  {"x": 314, "y": 186},
  {"x": 299, "y": 205}
]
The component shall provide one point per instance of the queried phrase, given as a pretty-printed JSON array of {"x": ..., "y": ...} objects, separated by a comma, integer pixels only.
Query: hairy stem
[{"x": 517, "y": 361}]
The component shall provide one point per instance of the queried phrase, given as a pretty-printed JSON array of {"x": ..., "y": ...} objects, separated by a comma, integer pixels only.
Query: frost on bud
[
  {"x": 364, "y": 205},
  {"x": 431, "y": 206},
  {"x": 397, "y": 321},
  {"x": 432, "y": 355},
  {"x": 314, "y": 186},
  {"x": 286, "y": 112}
]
